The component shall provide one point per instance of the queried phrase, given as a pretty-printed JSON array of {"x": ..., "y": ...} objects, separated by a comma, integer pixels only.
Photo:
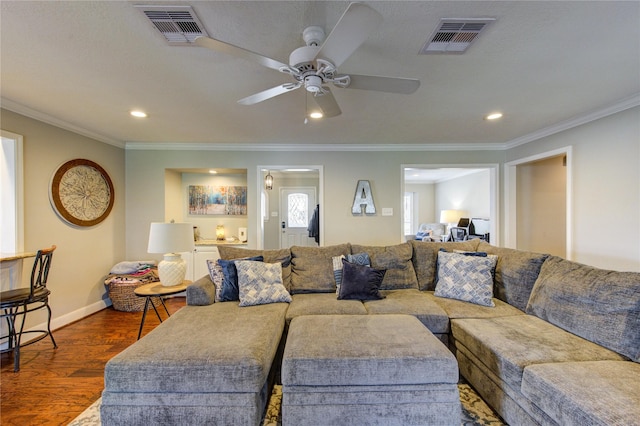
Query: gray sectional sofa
[{"x": 559, "y": 346}]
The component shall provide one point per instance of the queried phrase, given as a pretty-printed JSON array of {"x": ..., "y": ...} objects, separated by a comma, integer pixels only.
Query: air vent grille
[
  {"x": 455, "y": 35},
  {"x": 178, "y": 24}
]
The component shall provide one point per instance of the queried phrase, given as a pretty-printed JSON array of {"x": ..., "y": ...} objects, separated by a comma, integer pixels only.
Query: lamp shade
[
  {"x": 451, "y": 216},
  {"x": 170, "y": 237}
]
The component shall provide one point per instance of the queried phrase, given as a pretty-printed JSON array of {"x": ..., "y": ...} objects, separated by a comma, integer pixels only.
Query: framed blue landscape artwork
[{"x": 217, "y": 200}]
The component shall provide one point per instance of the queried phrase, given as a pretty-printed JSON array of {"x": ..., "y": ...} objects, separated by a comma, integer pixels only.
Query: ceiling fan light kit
[{"x": 315, "y": 65}]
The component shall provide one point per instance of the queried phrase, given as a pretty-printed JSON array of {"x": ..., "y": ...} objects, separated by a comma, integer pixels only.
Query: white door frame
[
  {"x": 510, "y": 191},
  {"x": 494, "y": 193},
  {"x": 260, "y": 172}
]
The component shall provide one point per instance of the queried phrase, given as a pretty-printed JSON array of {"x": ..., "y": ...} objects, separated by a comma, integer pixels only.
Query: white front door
[{"x": 296, "y": 209}]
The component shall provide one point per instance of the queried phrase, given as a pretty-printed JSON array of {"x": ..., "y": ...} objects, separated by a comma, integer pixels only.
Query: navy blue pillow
[
  {"x": 466, "y": 253},
  {"x": 360, "y": 282},
  {"x": 230, "y": 290}
]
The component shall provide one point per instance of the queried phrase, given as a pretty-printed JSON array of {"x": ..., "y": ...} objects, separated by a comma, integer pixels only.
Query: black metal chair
[
  {"x": 21, "y": 301},
  {"x": 458, "y": 234}
]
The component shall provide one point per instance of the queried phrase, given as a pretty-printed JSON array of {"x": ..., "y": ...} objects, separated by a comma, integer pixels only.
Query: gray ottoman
[{"x": 367, "y": 369}]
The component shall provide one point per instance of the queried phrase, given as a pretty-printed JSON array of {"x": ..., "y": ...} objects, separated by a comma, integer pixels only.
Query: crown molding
[
  {"x": 48, "y": 119},
  {"x": 309, "y": 147},
  {"x": 619, "y": 106}
]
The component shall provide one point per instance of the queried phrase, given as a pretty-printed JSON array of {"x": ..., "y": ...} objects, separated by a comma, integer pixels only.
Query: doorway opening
[
  {"x": 538, "y": 203},
  {"x": 430, "y": 189},
  {"x": 287, "y": 180}
]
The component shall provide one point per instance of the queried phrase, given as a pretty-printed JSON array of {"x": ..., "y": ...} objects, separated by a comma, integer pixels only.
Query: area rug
[{"x": 474, "y": 410}]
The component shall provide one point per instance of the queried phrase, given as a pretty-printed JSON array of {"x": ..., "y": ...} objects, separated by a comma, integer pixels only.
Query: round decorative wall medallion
[{"x": 82, "y": 192}]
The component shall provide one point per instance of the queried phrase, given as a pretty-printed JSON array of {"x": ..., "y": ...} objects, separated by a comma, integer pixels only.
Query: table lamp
[
  {"x": 450, "y": 217},
  {"x": 171, "y": 239}
]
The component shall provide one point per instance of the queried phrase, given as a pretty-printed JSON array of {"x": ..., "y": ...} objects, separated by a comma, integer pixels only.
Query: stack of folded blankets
[{"x": 124, "y": 278}]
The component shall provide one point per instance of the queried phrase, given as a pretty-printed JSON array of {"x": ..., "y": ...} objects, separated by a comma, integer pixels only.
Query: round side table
[{"x": 156, "y": 289}]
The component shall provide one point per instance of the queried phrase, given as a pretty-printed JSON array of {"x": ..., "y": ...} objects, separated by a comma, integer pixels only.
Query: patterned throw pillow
[
  {"x": 337, "y": 271},
  {"x": 215, "y": 272},
  {"x": 230, "y": 291},
  {"x": 359, "y": 259},
  {"x": 261, "y": 283},
  {"x": 466, "y": 278}
]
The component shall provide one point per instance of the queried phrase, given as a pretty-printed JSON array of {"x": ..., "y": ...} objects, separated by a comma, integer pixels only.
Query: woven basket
[{"x": 124, "y": 299}]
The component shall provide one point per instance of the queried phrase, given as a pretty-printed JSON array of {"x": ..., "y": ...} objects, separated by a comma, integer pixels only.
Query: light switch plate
[{"x": 387, "y": 211}]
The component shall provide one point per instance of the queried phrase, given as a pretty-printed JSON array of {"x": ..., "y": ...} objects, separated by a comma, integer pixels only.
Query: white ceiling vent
[
  {"x": 455, "y": 35},
  {"x": 178, "y": 24}
]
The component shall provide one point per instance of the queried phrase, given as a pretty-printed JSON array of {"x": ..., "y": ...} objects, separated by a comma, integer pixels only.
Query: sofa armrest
[{"x": 201, "y": 292}]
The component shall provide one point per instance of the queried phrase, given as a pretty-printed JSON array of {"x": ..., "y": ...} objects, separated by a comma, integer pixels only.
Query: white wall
[
  {"x": 606, "y": 188},
  {"x": 542, "y": 206},
  {"x": 342, "y": 170},
  {"x": 424, "y": 200},
  {"x": 471, "y": 193},
  {"x": 84, "y": 255}
]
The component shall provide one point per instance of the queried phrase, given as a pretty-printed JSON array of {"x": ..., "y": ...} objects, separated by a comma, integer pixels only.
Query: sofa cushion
[
  {"x": 586, "y": 393},
  {"x": 199, "y": 348},
  {"x": 322, "y": 304},
  {"x": 600, "y": 305},
  {"x": 466, "y": 277},
  {"x": 261, "y": 283},
  {"x": 230, "y": 290},
  {"x": 411, "y": 302},
  {"x": 396, "y": 260},
  {"x": 359, "y": 351},
  {"x": 507, "y": 345},
  {"x": 360, "y": 282},
  {"x": 459, "y": 309},
  {"x": 283, "y": 256},
  {"x": 312, "y": 268},
  {"x": 516, "y": 273},
  {"x": 425, "y": 258}
]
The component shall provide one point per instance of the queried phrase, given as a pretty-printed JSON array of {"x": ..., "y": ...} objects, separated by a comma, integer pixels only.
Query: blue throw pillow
[
  {"x": 230, "y": 290},
  {"x": 360, "y": 282}
]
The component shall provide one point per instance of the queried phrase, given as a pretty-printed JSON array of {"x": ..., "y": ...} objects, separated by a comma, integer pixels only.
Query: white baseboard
[
  {"x": 76, "y": 315},
  {"x": 66, "y": 319}
]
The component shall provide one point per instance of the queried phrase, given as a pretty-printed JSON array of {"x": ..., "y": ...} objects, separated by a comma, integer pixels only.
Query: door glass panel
[{"x": 298, "y": 210}]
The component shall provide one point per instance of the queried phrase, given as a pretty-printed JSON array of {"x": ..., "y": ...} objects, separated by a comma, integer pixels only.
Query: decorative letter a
[{"x": 363, "y": 196}]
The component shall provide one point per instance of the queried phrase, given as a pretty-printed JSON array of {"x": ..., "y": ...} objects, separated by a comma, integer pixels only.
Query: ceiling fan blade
[
  {"x": 384, "y": 84},
  {"x": 239, "y": 52},
  {"x": 327, "y": 103},
  {"x": 353, "y": 28},
  {"x": 269, "y": 93}
]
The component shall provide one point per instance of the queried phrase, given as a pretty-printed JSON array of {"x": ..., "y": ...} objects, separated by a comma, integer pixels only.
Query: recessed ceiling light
[
  {"x": 315, "y": 114},
  {"x": 138, "y": 113},
  {"x": 213, "y": 172},
  {"x": 493, "y": 116}
]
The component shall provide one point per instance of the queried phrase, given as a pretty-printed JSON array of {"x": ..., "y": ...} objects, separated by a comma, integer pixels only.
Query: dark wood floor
[{"x": 54, "y": 386}]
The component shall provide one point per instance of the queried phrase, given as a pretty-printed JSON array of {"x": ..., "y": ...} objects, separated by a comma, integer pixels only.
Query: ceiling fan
[{"x": 315, "y": 65}]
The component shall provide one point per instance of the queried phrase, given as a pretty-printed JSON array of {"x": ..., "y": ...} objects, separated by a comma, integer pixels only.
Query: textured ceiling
[{"x": 87, "y": 63}]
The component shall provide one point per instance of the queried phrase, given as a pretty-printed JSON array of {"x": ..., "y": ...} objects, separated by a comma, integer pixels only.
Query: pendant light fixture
[{"x": 268, "y": 181}]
